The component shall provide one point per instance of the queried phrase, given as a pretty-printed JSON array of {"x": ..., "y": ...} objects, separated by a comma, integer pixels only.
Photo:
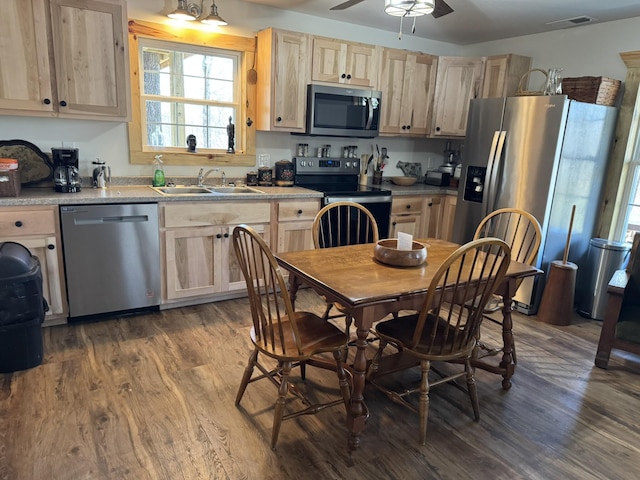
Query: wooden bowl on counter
[
  {"x": 404, "y": 181},
  {"x": 386, "y": 251}
]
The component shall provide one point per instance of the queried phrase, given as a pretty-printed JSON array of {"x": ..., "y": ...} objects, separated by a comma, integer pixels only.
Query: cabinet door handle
[
  {"x": 348, "y": 77},
  {"x": 51, "y": 246},
  {"x": 278, "y": 119},
  {"x": 63, "y": 103},
  {"x": 430, "y": 204},
  {"x": 437, "y": 129},
  {"x": 394, "y": 224},
  {"x": 18, "y": 224},
  {"x": 219, "y": 235},
  {"x": 343, "y": 75},
  {"x": 47, "y": 101},
  {"x": 226, "y": 235}
]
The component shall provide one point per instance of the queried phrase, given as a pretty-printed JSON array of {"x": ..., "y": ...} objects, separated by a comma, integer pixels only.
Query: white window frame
[
  {"x": 630, "y": 177},
  {"x": 196, "y": 49}
]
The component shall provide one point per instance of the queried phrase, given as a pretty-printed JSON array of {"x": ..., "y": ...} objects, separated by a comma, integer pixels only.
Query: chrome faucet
[{"x": 203, "y": 177}]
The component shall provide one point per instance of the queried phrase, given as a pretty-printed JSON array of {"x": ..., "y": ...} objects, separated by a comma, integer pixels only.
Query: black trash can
[{"x": 22, "y": 308}]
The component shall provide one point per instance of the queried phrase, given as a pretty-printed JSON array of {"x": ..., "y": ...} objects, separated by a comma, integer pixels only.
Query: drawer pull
[
  {"x": 408, "y": 206},
  {"x": 299, "y": 212},
  {"x": 51, "y": 246},
  {"x": 18, "y": 224}
]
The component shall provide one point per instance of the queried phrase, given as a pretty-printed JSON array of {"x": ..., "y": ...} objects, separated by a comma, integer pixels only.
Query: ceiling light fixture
[
  {"x": 214, "y": 18},
  {"x": 192, "y": 11},
  {"x": 181, "y": 13},
  {"x": 408, "y": 8}
]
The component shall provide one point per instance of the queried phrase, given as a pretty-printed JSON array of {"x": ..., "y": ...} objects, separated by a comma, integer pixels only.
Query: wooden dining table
[{"x": 371, "y": 290}]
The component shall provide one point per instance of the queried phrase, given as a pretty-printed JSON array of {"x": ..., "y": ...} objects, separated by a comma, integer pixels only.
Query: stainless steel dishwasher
[{"x": 111, "y": 257}]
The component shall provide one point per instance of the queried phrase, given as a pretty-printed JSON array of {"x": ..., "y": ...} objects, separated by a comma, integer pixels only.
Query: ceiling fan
[{"x": 440, "y": 8}]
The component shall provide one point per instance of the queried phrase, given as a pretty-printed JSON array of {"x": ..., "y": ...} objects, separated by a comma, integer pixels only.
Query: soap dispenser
[{"x": 158, "y": 172}]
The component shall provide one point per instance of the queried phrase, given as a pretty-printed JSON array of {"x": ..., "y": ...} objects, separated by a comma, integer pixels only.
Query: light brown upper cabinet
[
  {"x": 283, "y": 73},
  {"x": 337, "y": 61},
  {"x": 69, "y": 61},
  {"x": 459, "y": 80},
  {"x": 407, "y": 82},
  {"x": 502, "y": 73}
]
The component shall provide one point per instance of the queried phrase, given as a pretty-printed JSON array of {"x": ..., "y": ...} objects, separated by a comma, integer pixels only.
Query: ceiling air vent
[{"x": 571, "y": 22}]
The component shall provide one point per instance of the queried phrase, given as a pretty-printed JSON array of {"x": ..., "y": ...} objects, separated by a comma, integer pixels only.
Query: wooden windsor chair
[
  {"x": 278, "y": 332},
  {"x": 339, "y": 224},
  {"x": 446, "y": 327},
  {"x": 522, "y": 232}
]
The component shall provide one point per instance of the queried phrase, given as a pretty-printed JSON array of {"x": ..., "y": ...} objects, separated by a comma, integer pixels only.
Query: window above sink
[{"x": 156, "y": 54}]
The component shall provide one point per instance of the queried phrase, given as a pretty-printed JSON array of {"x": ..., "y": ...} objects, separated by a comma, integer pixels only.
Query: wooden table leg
[
  {"x": 294, "y": 284},
  {"x": 358, "y": 413},
  {"x": 507, "y": 365}
]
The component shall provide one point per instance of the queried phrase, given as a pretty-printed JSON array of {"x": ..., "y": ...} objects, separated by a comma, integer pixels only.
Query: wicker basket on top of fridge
[{"x": 598, "y": 90}]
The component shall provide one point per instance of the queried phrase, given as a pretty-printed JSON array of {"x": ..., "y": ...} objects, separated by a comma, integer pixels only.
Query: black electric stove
[{"x": 338, "y": 179}]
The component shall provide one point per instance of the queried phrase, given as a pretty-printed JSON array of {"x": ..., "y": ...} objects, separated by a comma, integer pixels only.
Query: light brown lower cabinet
[
  {"x": 37, "y": 228},
  {"x": 199, "y": 263},
  {"x": 197, "y": 247},
  {"x": 423, "y": 216},
  {"x": 294, "y": 219}
]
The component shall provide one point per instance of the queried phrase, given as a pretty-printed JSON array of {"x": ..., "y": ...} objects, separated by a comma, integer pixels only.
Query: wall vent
[{"x": 571, "y": 22}]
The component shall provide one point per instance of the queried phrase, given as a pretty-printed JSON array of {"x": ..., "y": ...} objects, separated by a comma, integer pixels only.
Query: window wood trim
[{"x": 246, "y": 153}]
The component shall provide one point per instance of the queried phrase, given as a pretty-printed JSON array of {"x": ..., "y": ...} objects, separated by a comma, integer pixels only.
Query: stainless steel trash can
[{"x": 603, "y": 259}]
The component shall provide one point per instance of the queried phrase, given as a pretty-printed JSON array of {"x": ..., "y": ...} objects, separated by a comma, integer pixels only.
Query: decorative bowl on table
[
  {"x": 404, "y": 181},
  {"x": 386, "y": 251}
]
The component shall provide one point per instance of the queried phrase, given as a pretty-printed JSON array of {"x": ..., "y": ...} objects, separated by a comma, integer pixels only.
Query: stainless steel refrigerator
[{"x": 541, "y": 154}]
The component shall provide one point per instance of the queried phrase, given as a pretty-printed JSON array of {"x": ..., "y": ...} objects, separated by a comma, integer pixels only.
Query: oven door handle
[
  {"x": 364, "y": 199},
  {"x": 370, "y": 108}
]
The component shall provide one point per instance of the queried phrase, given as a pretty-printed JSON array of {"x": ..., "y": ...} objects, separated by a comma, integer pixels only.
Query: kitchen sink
[
  {"x": 233, "y": 190},
  {"x": 183, "y": 190},
  {"x": 195, "y": 190}
]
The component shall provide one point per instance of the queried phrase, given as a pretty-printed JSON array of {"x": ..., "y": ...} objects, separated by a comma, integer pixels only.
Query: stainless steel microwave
[{"x": 342, "y": 111}]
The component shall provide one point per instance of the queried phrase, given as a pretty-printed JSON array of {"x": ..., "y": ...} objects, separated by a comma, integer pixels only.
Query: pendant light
[
  {"x": 214, "y": 18},
  {"x": 181, "y": 12},
  {"x": 192, "y": 11}
]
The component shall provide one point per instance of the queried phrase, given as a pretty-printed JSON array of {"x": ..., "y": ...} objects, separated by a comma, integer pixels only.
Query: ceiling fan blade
[
  {"x": 441, "y": 9},
  {"x": 347, "y": 4}
]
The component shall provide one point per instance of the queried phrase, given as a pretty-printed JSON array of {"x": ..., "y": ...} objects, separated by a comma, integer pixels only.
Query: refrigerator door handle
[
  {"x": 488, "y": 173},
  {"x": 492, "y": 173}
]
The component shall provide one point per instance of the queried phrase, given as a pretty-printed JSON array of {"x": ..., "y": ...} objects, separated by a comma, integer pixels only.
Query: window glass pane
[
  {"x": 199, "y": 90},
  {"x": 169, "y": 124},
  {"x": 633, "y": 209}
]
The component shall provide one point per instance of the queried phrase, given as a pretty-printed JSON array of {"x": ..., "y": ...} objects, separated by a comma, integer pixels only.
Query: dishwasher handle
[{"x": 114, "y": 219}]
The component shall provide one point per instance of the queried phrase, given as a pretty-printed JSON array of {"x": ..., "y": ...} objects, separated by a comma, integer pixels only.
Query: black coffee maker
[{"x": 66, "y": 174}]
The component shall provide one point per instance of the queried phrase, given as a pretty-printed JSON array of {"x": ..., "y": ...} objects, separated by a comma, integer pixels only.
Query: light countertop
[{"x": 144, "y": 194}]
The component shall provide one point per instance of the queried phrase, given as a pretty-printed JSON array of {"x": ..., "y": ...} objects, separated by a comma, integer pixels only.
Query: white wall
[{"x": 586, "y": 50}]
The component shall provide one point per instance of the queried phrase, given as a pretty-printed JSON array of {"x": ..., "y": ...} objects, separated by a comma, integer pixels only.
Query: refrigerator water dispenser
[{"x": 474, "y": 184}]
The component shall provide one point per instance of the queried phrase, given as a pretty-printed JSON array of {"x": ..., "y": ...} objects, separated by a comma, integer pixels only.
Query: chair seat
[
  {"x": 401, "y": 331},
  {"x": 628, "y": 326},
  {"x": 316, "y": 336}
]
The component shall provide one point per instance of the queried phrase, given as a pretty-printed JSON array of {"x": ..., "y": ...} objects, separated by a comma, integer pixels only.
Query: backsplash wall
[{"x": 109, "y": 142}]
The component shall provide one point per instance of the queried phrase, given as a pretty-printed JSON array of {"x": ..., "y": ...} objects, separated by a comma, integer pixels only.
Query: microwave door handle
[
  {"x": 370, "y": 119},
  {"x": 493, "y": 181}
]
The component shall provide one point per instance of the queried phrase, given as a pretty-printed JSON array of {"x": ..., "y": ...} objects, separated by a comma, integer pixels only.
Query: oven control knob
[
  {"x": 302, "y": 163},
  {"x": 347, "y": 164},
  {"x": 310, "y": 163}
]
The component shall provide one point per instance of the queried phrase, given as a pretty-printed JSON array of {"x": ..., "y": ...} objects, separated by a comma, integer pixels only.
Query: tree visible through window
[{"x": 188, "y": 90}]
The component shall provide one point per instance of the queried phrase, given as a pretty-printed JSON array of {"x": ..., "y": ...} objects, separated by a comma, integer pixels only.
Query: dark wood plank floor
[{"x": 152, "y": 397}]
